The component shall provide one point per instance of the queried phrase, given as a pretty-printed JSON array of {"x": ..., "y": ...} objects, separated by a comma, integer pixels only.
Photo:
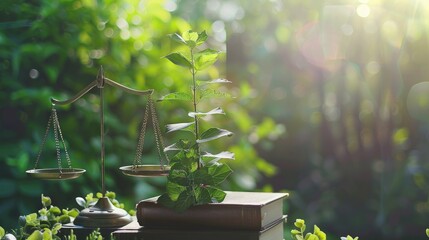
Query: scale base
[{"x": 103, "y": 215}]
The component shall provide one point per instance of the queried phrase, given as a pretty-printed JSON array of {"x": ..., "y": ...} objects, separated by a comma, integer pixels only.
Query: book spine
[{"x": 200, "y": 217}]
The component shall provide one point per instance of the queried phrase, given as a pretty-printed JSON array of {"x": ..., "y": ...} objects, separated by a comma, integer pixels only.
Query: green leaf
[
  {"x": 2, "y": 232},
  {"x": 178, "y": 146},
  {"x": 31, "y": 218},
  {"x": 55, "y": 210},
  {"x": 36, "y": 235},
  {"x": 216, "y": 194},
  {"x": 177, "y": 96},
  {"x": 202, "y": 177},
  {"x": 212, "y": 134},
  {"x": 56, "y": 228},
  {"x": 178, "y": 126},
  {"x": 166, "y": 201},
  {"x": 184, "y": 160},
  {"x": 202, "y": 195},
  {"x": 202, "y": 37},
  {"x": 427, "y": 232},
  {"x": 111, "y": 195},
  {"x": 213, "y": 158},
  {"x": 185, "y": 200},
  {"x": 81, "y": 202},
  {"x": 211, "y": 93},
  {"x": 217, "y": 110},
  {"x": 219, "y": 80},
  {"x": 320, "y": 234},
  {"x": 205, "y": 58},
  {"x": 178, "y": 175},
  {"x": 176, "y": 37},
  {"x": 63, "y": 219},
  {"x": 191, "y": 38},
  {"x": 179, "y": 59},
  {"x": 295, "y": 232},
  {"x": 299, "y": 237},
  {"x": 310, "y": 236},
  {"x": 174, "y": 190},
  {"x": 73, "y": 213},
  {"x": 219, "y": 172},
  {"x": 299, "y": 223},
  {"x": 46, "y": 201}
]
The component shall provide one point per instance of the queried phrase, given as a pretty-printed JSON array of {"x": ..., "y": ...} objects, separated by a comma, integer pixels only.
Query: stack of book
[{"x": 241, "y": 216}]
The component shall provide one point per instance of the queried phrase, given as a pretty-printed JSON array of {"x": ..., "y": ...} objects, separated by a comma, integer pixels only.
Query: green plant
[
  {"x": 195, "y": 174},
  {"x": 95, "y": 235},
  {"x": 44, "y": 224},
  {"x": 299, "y": 233}
]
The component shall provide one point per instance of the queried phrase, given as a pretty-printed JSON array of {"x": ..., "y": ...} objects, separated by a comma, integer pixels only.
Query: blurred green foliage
[{"x": 333, "y": 94}]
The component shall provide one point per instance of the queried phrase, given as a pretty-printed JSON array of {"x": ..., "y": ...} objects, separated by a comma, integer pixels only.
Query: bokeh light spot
[
  {"x": 363, "y": 10},
  {"x": 418, "y": 101}
]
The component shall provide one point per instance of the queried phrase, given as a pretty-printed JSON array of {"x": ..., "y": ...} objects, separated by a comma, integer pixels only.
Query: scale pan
[
  {"x": 55, "y": 173},
  {"x": 145, "y": 170}
]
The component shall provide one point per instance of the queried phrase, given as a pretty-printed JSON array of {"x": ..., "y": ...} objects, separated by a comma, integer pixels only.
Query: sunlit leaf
[
  {"x": 2, "y": 232},
  {"x": 177, "y": 96},
  {"x": 46, "y": 201},
  {"x": 205, "y": 58},
  {"x": 214, "y": 81},
  {"x": 211, "y": 93},
  {"x": 36, "y": 235},
  {"x": 56, "y": 228},
  {"x": 179, "y": 59},
  {"x": 176, "y": 37},
  {"x": 191, "y": 38},
  {"x": 174, "y": 190},
  {"x": 178, "y": 146},
  {"x": 202, "y": 37},
  {"x": 31, "y": 218},
  {"x": 73, "y": 213},
  {"x": 217, "y": 110},
  {"x": 178, "y": 126},
  {"x": 55, "y": 210},
  {"x": 212, "y": 134},
  {"x": 212, "y": 158}
]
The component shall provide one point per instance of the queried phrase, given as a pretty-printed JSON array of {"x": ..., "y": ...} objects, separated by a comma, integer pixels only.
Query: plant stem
[{"x": 194, "y": 98}]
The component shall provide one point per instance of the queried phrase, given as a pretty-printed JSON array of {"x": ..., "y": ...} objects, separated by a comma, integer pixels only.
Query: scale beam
[{"x": 99, "y": 82}]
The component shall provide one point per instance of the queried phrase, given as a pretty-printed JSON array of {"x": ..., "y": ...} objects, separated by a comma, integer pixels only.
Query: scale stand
[{"x": 103, "y": 214}]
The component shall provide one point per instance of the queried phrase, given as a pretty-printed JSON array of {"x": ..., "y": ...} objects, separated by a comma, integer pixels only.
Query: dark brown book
[
  {"x": 239, "y": 211},
  {"x": 134, "y": 231}
]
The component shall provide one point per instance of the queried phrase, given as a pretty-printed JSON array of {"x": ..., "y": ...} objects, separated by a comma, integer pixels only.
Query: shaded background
[{"x": 331, "y": 102}]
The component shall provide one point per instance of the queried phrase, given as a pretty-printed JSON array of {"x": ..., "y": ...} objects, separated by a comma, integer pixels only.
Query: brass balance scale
[{"x": 103, "y": 214}]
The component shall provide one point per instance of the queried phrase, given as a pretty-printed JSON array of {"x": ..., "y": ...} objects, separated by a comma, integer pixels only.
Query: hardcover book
[
  {"x": 239, "y": 211},
  {"x": 134, "y": 231}
]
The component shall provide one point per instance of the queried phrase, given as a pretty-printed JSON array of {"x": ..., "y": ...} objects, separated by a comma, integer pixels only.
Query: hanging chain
[
  {"x": 44, "y": 139},
  {"x": 62, "y": 140},
  {"x": 139, "y": 151},
  {"x": 57, "y": 142},
  {"x": 157, "y": 132}
]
